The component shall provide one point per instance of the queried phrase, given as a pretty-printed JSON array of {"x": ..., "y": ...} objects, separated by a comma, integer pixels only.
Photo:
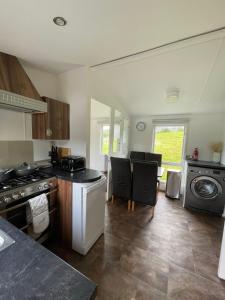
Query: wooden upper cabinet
[{"x": 53, "y": 125}]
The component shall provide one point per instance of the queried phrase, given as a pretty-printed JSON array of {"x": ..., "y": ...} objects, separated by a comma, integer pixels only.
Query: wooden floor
[{"x": 173, "y": 256}]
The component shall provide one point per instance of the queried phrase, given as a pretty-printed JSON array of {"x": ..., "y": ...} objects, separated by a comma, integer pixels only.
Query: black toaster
[{"x": 72, "y": 163}]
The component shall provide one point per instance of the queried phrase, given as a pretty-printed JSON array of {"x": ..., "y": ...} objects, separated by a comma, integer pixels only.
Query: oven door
[
  {"x": 206, "y": 188},
  {"x": 17, "y": 216}
]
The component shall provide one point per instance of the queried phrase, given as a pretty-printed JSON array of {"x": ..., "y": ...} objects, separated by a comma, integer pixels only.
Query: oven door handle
[{"x": 24, "y": 203}]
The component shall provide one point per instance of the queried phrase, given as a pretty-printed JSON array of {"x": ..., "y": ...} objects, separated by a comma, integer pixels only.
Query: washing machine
[{"x": 205, "y": 189}]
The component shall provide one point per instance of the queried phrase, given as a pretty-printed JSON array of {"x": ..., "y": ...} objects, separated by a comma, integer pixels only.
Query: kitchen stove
[
  {"x": 14, "y": 196},
  {"x": 15, "y": 189}
]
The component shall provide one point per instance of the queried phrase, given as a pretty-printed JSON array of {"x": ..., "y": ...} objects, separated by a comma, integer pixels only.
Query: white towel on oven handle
[{"x": 38, "y": 213}]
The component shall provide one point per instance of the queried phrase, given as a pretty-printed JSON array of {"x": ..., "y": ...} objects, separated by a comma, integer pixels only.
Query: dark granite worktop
[
  {"x": 205, "y": 164},
  {"x": 83, "y": 176},
  {"x": 29, "y": 271}
]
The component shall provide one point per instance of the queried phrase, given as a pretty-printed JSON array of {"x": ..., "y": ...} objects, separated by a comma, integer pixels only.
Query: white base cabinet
[
  {"x": 88, "y": 214},
  {"x": 221, "y": 269}
]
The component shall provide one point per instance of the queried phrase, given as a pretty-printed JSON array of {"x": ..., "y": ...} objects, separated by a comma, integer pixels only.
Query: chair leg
[
  {"x": 153, "y": 211},
  {"x": 129, "y": 205},
  {"x": 133, "y": 204},
  {"x": 113, "y": 199}
]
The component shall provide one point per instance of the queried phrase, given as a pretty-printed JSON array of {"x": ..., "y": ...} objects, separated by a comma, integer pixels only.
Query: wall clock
[{"x": 140, "y": 126}]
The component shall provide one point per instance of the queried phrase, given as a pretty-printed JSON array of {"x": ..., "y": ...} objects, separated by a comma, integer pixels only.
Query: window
[
  {"x": 105, "y": 131},
  {"x": 118, "y": 131},
  {"x": 125, "y": 137},
  {"x": 116, "y": 139},
  {"x": 169, "y": 141}
]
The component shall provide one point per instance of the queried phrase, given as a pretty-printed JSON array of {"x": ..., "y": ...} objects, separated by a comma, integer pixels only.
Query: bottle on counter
[{"x": 195, "y": 154}]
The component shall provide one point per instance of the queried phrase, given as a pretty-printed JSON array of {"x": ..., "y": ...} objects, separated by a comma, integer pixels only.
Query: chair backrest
[
  {"x": 121, "y": 177},
  {"x": 154, "y": 157},
  {"x": 137, "y": 155},
  {"x": 145, "y": 182}
]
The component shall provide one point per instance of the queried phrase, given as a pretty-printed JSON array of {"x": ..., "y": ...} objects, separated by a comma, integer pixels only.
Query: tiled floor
[{"x": 173, "y": 256}]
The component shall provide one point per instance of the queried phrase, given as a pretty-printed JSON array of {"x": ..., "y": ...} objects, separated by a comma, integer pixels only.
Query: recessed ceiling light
[{"x": 60, "y": 21}]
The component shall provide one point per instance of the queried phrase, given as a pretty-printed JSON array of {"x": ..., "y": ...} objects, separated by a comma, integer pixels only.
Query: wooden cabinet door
[
  {"x": 66, "y": 121},
  {"x": 53, "y": 125},
  {"x": 64, "y": 200},
  {"x": 58, "y": 120},
  {"x": 39, "y": 125}
]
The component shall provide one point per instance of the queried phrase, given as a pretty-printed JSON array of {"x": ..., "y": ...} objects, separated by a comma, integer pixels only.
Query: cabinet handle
[{"x": 49, "y": 132}]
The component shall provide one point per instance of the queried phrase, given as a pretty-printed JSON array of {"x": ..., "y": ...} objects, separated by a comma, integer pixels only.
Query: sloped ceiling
[
  {"x": 197, "y": 70},
  {"x": 99, "y": 30},
  {"x": 99, "y": 110}
]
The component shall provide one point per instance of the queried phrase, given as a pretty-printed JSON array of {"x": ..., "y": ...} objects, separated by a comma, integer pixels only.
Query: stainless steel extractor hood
[{"x": 12, "y": 101}]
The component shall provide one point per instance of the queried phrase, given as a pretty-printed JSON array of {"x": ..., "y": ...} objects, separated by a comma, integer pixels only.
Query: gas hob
[{"x": 15, "y": 189}]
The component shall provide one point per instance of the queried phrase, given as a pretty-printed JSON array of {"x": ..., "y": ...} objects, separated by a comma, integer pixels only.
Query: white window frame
[
  {"x": 181, "y": 164},
  {"x": 120, "y": 122},
  {"x": 101, "y": 137},
  {"x": 119, "y": 139}
]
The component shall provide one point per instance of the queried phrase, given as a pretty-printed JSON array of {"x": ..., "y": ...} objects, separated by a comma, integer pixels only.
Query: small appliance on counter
[
  {"x": 72, "y": 163},
  {"x": 54, "y": 156}
]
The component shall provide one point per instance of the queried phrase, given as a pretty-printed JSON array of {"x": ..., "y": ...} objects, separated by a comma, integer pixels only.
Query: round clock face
[{"x": 140, "y": 126}]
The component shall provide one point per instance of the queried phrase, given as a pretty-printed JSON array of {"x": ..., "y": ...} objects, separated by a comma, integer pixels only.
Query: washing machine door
[{"x": 205, "y": 187}]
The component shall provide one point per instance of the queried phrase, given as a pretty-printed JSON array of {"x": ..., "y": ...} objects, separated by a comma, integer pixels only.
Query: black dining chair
[
  {"x": 137, "y": 155},
  {"x": 144, "y": 183},
  {"x": 121, "y": 179},
  {"x": 153, "y": 157}
]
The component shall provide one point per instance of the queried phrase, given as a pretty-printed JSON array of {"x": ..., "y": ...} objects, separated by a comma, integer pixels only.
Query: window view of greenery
[
  {"x": 105, "y": 139},
  {"x": 169, "y": 142}
]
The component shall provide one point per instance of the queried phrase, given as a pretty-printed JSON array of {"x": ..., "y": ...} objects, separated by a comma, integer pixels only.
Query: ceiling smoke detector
[
  {"x": 60, "y": 21},
  {"x": 172, "y": 95}
]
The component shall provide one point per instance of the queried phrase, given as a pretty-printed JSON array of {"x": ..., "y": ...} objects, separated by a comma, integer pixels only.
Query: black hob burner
[
  {"x": 22, "y": 181},
  {"x": 11, "y": 184},
  {"x": 34, "y": 177}
]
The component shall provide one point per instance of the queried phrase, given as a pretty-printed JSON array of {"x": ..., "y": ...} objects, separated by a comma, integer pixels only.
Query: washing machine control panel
[
  {"x": 216, "y": 172},
  {"x": 207, "y": 171}
]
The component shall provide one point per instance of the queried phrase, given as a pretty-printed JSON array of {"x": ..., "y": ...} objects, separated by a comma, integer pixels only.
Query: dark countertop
[
  {"x": 84, "y": 176},
  {"x": 205, "y": 164},
  {"x": 29, "y": 271}
]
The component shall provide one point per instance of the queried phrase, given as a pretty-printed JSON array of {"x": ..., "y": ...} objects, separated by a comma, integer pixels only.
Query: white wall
[
  {"x": 45, "y": 83},
  {"x": 100, "y": 114},
  {"x": 103, "y": 93},
  {"x": 72, "y": 88},
  {"x": 223, "y": 140},
  {"x": 77, "y": 87},
  {"x": 97, "y": 160},
  {"x": 12, "y": 125},
  {"x": 203, "y": 129}
]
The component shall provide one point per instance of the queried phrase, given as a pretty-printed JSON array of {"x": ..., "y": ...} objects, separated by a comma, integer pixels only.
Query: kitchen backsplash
[{"x": 13, "y": 153}]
